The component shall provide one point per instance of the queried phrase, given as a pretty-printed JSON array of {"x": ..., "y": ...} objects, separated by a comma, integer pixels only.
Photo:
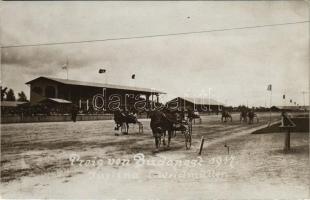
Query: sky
[{"x": 234, "y": 66}]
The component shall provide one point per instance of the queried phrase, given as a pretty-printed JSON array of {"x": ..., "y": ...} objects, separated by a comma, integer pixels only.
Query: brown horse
[
  {"x": 123, "y": 119},
  {"x": 161, "y": 122},
  {"x": 252, "y": 115},
  {"x": 225, "y": 115},
  {"x": 244, "y": 115},
  {"x": 192, "y": 115}
]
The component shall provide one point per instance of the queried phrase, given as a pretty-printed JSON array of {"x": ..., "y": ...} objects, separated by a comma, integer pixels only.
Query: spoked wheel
[{"x": 123, "y": 127}]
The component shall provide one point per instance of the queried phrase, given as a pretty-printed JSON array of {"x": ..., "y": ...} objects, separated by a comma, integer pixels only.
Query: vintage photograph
[{"x": 154, "y": 100}]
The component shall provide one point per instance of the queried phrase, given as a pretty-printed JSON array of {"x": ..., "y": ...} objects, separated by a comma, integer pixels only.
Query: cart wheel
[
  {"x": 159, "y": 141},
  {"x": 188, "y": 140},
  {"x": 124, "y": 128}
]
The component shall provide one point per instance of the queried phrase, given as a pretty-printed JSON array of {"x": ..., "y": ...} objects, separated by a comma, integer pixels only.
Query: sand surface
[{"x": 39, "y": 160}]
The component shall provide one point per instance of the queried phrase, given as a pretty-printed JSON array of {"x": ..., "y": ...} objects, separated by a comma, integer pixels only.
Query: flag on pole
[
  {"x": 101, "y": 71},
  {"x": 269, "y": 88},
  {"x": 283, "y": 96},
  {"x": 65, "y": 66},
  {"x": 133, "y": 76}
]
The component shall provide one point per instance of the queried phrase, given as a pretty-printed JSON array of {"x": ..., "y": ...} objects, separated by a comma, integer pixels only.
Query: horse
[
  {"x": 251, "y": 116},
  {"x": 225, "y": 115},
  {"x": 123, "y": 119},
  {"x": 244, "y": 116},
  {"x": 193, "y": 115},
  {"x": 161, "y": 123}
]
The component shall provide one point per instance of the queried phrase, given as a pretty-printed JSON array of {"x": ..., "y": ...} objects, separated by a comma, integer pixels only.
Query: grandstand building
[{"x": 87, "y": 95}]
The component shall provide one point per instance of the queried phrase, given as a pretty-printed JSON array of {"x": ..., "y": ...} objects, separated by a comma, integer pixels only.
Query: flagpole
[
  {"x": 67, "y": 66},
  {"x": 67, "y": 73},
  {"x": 269, "y": 88},
  {"x": 133, "y": 77},
  {"x": 134, "y": 82},
  {"x": 103, "y": 71},
  {"x": 209, "y": 100},
  {"x": 270, "y": 105}
]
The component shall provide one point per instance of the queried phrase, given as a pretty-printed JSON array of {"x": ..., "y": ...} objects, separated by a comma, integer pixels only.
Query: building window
[
  {"x": 50, "y": 92},
  {"x": 37, "y": 90}
]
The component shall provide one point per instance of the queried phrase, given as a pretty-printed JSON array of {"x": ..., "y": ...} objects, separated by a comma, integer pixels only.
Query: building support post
[
  {"x": 147, "y": 98},
  {"x": 152, "y": 100}
]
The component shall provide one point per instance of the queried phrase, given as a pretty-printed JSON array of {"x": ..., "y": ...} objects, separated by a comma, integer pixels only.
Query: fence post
[
  {"x": 287, "y": 142},
  {"x": 201, "y": 145}
]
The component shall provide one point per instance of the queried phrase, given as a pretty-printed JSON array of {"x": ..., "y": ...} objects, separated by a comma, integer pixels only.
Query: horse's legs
[
  {"x": 169, "y": 138},
  {"x": 126, "y": 128},
  {"x": 157, "y": 141},
  {"x": 140, "y": 127},
  {"x": 122, "y": 125},
  {"x": 164, "y": 136}
]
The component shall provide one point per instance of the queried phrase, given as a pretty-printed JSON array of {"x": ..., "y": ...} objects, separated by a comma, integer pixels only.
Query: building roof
[
  {"x": 56, "y": 100},
  {"x": 12, "y": 103},
  {"x": 200, "y": 100},
  {"x": 100, "y": 85}
]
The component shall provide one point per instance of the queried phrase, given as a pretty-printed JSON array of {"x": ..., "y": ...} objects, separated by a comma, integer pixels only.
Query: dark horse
[
  {"x": 244, "y": 115},
  {"x": 252, "y": 115},
  {"x": 122, "y": 118},
  {"x": 225, "y": 115},
  {"x": 161, "y": 122},
  {"x": 193, "y": 115}
]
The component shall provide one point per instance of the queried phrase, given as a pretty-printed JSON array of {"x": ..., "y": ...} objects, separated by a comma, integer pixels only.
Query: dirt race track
[{"x": 35, "y": 162}]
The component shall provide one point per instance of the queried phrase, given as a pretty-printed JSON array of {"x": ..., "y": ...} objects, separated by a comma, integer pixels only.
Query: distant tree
[
  {"x": 3, "y": 92},
  {"x": 22, "y": 96},
  {"x": 10, "y": 96}
]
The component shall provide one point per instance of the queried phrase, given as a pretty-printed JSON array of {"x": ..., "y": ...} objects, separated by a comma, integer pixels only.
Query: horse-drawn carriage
[
  {"x": 163, "y": 122},
  {"x": 193, "y": 115},
  {"x": 225, "y": 115},
  {"x": 248, "y": 116},
  {"x": 123, "y": 119}
]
